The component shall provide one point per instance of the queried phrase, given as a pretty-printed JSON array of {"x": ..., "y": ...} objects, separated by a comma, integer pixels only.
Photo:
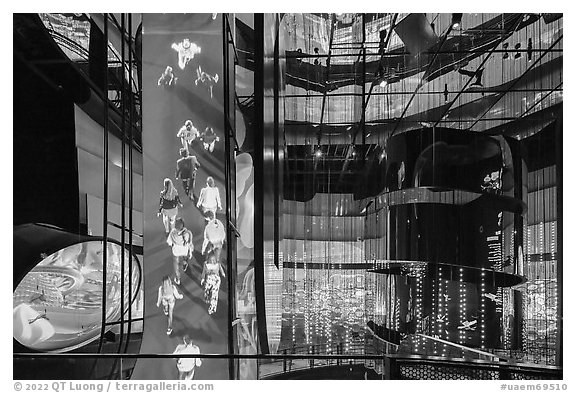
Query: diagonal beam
[
  {"x": 516, "y": 81},
  {"x": 428, "y": 68},
  {"x": 325, "y": 93},
  {"x": 527, "y": 111},
  {"x": 486, "y": 58},
  {"x": 365, "y": 103},
  {"x": 327, "y": 75},
  {"x": 382, "y": 55}
]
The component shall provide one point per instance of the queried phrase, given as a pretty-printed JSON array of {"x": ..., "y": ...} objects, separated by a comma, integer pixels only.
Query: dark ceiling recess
[
  {"x": 549, "y": 18},
  {"x": 34, "y": 46},
  {"x": 306, "y": 172},
  {"x": 37, "y": 52}
]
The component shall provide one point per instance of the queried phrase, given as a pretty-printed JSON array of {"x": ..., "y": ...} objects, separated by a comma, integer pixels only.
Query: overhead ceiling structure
[
  {"x": 392, "y": 124},
  {"x": 354, "y": 80},
  {"x": 63, "y": 50}
]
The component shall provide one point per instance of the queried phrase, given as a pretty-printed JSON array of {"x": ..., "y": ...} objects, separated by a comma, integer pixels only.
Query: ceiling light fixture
[
  {"x": 456, "y": 20},
  {"x": 517, "y": 47},
  {"x": 382, "y": 44},
  {"x": 505, "y": 47}
]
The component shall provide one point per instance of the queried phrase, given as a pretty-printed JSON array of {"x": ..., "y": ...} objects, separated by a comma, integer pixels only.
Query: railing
[
  {"x": 397, "y": 366},
  {"x": 429, "y": 367},
  {"x": 369, "y": 353},
  {"x": 271, "y": 367}
]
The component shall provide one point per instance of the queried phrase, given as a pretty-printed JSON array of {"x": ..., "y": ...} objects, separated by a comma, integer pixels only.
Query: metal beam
[
  {"x": 486, "y": 58},
  {"x": 362, "y": 122},
  {"x": 105, "y": 197},
  {"x": 516, "y": 80},
  {"x": 430, "y": 92},
  {"x": 444, "y": 38},
  {"x": 293, "y": 55}
]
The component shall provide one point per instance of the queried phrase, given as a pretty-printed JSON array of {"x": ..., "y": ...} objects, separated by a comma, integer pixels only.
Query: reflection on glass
[
  {"x": 71, "y": 32},
  {"x": 58, "y": 304},
  {"x": 247, "y": 332},
  {"x": 324, "y": 309},
  {"x": 247, "y": 328}
]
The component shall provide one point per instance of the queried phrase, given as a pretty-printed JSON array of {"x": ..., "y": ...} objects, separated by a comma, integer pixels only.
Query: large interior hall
[{"x": 288, "y": 196}]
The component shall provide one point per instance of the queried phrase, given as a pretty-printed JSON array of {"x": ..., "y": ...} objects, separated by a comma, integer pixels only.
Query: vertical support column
[
  {"x": 559, "y": 225},
  {"x": 122, "y": 182},
  {"x": 517, "y": 337},
  {"x": 275, "y": 141},
  {"x": 362, "y": 117},
  {"x": 105, "y": 188},
  {"x": 229, "y": 172},
  {"x": 268, "y": 156},
  {"x": 131, "y": 173},
  {"x": 259, "y": 181}
]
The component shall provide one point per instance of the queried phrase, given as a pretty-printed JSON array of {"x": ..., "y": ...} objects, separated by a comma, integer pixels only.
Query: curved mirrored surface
[{"x": 58, "y": 305}]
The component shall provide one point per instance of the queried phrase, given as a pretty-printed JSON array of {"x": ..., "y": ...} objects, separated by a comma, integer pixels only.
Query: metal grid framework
[
  {"x": 130, "y": 119},
  {"x": 428, "y": 97},
  {"x": 348, "y": 92},
  {"x": 120, "y": 96},
  {"x": 517, "y": 54}
]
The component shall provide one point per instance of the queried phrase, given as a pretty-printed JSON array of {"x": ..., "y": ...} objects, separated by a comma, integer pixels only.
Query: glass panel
[
  {"x": 71, "y": 32},
  {"x": 58, "y": 304}
]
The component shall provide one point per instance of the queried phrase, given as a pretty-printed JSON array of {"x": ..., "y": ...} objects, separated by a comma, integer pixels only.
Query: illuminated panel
[
  {"x": 324, "y": 308},
  {"x": 58, "y": 305},
  {"x": 182, "y": 87}
]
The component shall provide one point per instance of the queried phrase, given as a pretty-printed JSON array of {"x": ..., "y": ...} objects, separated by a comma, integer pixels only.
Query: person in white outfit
[
  {"x": 186, "y": 51},
  {"x": 214, "y": 236},
  {"x": 167, "y": 295},
  {"x": 209, "y": 199},
  {"x": 187, "y": 366},
  {"x": 187, "y": 133},
  {"x": 210, "y": 280},
  {"x": 180, "y": 241}
]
